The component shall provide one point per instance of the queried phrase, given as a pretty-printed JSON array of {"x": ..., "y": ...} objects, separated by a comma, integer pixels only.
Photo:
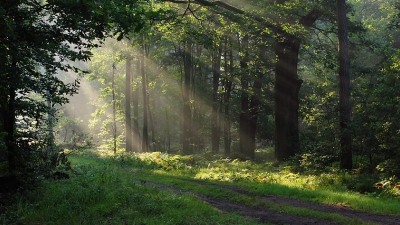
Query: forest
[{"x": 118, "y": 105}]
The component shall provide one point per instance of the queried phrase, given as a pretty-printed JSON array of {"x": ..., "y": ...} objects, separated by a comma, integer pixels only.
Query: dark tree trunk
[
  {"x": 145, "y": 138},
  {"x": 255, "y": 104},
  {"x": 187, "y": 129},
  {"x": 135, "y": 101},
  {"x": 215, "y": 128},
  {"x": 128, "y": 122},
  {"x": 244, "y": 113},
  {"x": 227, "y": 96},
  {"x": 344, "y": 85},
  {"x": 287, "y": 86}
]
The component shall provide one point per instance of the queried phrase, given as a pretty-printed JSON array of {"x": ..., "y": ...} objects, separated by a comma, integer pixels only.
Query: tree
[
  {"x": 344, "y": 91},
  {"x": 38, "y": 39},
  {"x": 215, "y": 128},
  {"x": 128, "y": 93},
  {"x": 187, "y": 118}
]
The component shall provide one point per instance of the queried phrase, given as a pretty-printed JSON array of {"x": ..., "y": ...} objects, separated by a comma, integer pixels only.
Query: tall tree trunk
[
  {"x": 287, "y": 86},
  {"x": 187, "y": 129},
  {"x": 344, "y": 91},
  {"x": 114, "y": 110},
  {"x": 135, "y": 101},
  {"x": 215, "y": 133},
  {"x": 244, "y": 113},
  {"x": 228, "y": 88},
  {"x": 255, "y": 103},
  {"x": 128, "y": 122},
  {"x": 145, "y": 138},
  {"x": 198, "y": 134}
]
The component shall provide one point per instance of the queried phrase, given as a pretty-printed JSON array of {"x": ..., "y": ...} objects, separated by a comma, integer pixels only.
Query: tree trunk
[
  {"x": 145, "y": 138},
  {"x": 287, "y": 86},
  {"x": 244, "y": 113},
  {"x": 255, "y": 104},
  {"x": 187, "y": 129},
  {"x": 153, "y": 144},
  {"x": 344, "y": 85},
  {"x": 135, "y": 101},
  {"x": 215, "y": 134},
  {"x": 227, "y": 96},
  {"x": 114, "y": 110},
  {"x": 168, "y": 142},
  {"x": 128, "y": 122}
]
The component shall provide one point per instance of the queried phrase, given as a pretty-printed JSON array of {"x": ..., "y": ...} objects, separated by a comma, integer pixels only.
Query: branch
[
  {"x": 307, "y": 20},
  {"x": 229, "y": 8},
  {"x": 192, "y": 12}
]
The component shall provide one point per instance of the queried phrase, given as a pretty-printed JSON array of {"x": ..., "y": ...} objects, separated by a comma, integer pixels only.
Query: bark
[
  {"x": 135, "y": 101},
  {"x": 344, "y": 91},
  {"x": 215, "y": 133},
  {"x": 287, "y": 86},
  {"x": 145, "y": 137},
  {"x": 187, "y": 129},
  {"x": 255, "y": 104},
  {"x": 228, "y": 89},
  {"x": 244, "y": 113},
  {"x": 128, "y": 122}
]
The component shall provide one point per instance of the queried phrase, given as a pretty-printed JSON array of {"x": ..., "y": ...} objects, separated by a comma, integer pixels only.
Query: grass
[
  {"x": 266, "y": 178},
  {"x": 102, "y": 195},
  {"x": 105, "y": 190}
]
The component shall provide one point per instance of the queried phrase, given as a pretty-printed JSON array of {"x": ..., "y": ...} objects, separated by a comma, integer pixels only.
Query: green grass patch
[
  {"x": 101, "y": 195},
  {"x": 262, "y": 177},
  {"x": 104, "y": 189}
]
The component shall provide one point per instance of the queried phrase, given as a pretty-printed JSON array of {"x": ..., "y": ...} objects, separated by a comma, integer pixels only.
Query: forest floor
[
  {"x": 155, "y": 188},
  {"x": 265, "y": 215}
]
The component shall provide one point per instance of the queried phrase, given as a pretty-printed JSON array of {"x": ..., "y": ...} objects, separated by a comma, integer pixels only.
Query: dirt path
[
  {"x": 262, "y": 215},
  {"x": 265, "y": 215},
  {"x": 341, "y": 210}
]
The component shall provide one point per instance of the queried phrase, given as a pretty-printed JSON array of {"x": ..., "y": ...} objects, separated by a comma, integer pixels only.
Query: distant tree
[{"x": 128, "y": 93}]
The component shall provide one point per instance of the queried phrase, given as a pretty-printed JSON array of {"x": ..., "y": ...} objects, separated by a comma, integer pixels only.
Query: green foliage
[{"x": 100, "y": 195}]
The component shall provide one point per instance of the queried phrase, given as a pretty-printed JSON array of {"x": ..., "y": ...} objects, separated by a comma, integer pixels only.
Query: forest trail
[{"x": 266, "y": 215}]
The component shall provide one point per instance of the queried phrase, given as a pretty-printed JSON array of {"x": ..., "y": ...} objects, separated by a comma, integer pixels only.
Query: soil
[{"x": 265, "y": 215}]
